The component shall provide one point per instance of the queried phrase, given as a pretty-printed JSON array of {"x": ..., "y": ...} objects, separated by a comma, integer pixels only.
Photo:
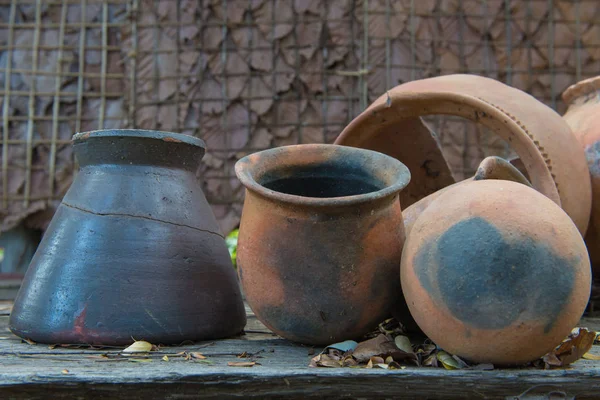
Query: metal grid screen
[{"x": 249, "y": 75}]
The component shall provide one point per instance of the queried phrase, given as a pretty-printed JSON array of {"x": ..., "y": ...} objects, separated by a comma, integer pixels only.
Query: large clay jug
[
  {"x": 552, "y": 157},
  {"x": 133, "y": 251}
]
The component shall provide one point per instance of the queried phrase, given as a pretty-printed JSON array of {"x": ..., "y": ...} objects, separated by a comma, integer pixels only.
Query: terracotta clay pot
[
  {"x": 555, "y": 163},
  {"x": 495, "y": 272},
  {"x": 320, "y": 240},
  {"x": 583, "y": 116},
  {"x": 133, "y": 251},
  {"x": 490, "y": 168}
]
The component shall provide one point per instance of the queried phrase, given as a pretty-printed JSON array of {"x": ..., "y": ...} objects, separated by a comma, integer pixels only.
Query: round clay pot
[
  {"x": 320, "y": 240},
  {"x": 133, "y": 251},
  {"x": 495, "y": 272},
  {"x": 554, "y": 161},
  {"x": 583, "y": 116}
]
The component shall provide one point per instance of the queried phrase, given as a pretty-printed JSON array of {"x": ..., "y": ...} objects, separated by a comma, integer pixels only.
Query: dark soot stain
[
  {"x": 321, "y": 186},
  {"x": 489, "y": 282}
]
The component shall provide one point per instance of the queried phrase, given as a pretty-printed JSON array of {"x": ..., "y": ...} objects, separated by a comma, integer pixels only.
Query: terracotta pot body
[
  {"x": 554, "y": 161},
  {"x": 133, "y": 251},
  {"x": 320, "y": 240},
  {"x": 490, "y": 168},
  {"x": 583, "y": 116},
  {"x": 493, "y": 271}
]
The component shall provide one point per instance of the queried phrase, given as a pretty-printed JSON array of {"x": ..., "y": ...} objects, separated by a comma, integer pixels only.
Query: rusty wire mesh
[{"x": 249, "y": 75}]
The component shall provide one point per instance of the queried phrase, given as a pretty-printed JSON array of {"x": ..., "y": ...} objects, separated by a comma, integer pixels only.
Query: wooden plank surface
[{"x": 40, "y": 372}]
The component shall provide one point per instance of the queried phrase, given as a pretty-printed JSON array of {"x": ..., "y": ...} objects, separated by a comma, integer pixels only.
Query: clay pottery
[
  {"x": 583, "y": 116},
  {"x": 490, "y": 168},
  {"x": 495, "y": 272},
  {"x": 320, "y": 240},
  {"x": 554, "y": 161},
  {"x": 133, "y": 251}
]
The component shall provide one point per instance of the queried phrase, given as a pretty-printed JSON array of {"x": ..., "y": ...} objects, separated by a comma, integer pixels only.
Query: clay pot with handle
[
  {"x": 490, "y": 168},
  {"x": 555, "y": 163},
  {"x": 583, "y": 116}
]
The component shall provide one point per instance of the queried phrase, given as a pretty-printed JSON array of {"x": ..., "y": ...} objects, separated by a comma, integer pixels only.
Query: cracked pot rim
[
  {"x": 398, "y": 181},
  {"x": 140, "y": 133}
]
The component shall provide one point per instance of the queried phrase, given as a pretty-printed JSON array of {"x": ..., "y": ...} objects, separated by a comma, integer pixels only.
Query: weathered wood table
[{"x": 42, "y": 372}]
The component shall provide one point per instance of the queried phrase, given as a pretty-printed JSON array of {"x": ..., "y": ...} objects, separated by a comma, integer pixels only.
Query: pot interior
[
  {"x": 322, "y": 181},
  {"x": 322, "y": 175}
]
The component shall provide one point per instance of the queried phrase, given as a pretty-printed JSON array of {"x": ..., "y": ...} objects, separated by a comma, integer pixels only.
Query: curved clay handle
[
  {"x": 554, "y": 161},
  {"x": 490, "y": 168}
]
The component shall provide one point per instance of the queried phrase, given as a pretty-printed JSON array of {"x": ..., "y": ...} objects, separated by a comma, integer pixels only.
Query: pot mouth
[
  {"x": 140, "y": 134},
  {"x": 322, "y": 174},
  {"x": 581, "y": 88}
]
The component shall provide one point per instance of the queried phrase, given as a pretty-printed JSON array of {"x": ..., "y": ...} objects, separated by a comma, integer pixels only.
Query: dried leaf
[
  {"x": 377, "y": 360},
  {"x": 447, "y": 360},
  {"x": 29, "y": 341},
  {"x": 403, "y": 343},
  {"x": 165, "y": 358},
  {"x": 323, "y": 360},
  {"x": 345, "y": 346},
  {"x": 395, "y": 365},
  {"x": 578, "y": 343},
  {"x": 381, "y": 346},
  {"x": 590, "y": 356},
  {"x": 198, "y": 355},
  {"x": 65, "y": 371},
  {"x": 139, "y": 346},
  {"x": 241, "y": 364},
  {"x": 52, "y": 347},
  {"x": 140, "y": 360}
]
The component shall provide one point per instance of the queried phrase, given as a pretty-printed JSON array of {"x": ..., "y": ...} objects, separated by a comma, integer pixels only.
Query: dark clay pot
[
  {"x": 321, "y": 240},
  {"x": 133, "y": 251},
  {"x": 495, "y": 272}
]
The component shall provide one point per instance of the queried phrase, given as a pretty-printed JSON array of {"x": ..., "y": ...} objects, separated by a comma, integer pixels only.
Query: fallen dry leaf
[
  {"x": 29, "y": 341},
  {"x": 165, "y": 358},
  {"x": 447, "y": 360},
  {"x": 590, "y": 356},
  {"x": 380, "y": 346},
  {"x": 139, "y": 346},
  {"x": 65, "y": 371},
  {"x": 403, "y": 343},
  {"x": 197, "y": 355},
  {"x": 573, "y": 348},
  {"x": 140, "y": 360},
  {"x": 324, "y": 360},
  {"x": 241, "y": 364}
]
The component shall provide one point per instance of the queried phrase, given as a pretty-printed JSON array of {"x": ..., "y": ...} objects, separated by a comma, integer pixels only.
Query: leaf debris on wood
[{"x": 389, "y": 348}]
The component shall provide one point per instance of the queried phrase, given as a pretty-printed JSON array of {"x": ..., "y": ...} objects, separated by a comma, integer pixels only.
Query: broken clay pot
[
  {"x": 583, "y": 116},
  {"x": 490, "y": 168},
  {"x": 320, "y": 239},
  {"x": 133, "y": 251},
  {"x": 555, "y": 163},
  {"x": 495, "y": 272}
]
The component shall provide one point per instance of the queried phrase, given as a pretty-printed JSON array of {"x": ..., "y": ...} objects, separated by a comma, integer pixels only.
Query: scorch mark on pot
[
  {"x": 489, "y": 281},
  {"x": 592, "y": 154}
]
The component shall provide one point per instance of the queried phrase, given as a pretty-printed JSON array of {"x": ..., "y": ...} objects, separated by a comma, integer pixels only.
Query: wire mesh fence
[{"x": 249, "y": 75}]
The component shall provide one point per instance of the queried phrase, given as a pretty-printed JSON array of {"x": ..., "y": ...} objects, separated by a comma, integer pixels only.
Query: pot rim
[
  {"x": 244, "y": 174},
  {"x": 140, "y": 133},
  {"x": 581, "y": 88}
]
